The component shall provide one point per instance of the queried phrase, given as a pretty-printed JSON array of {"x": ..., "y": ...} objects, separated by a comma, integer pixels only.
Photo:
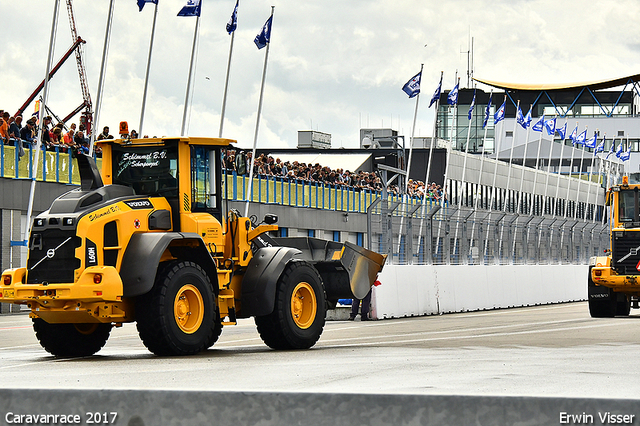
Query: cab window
[{"x": 149, "y": 170}]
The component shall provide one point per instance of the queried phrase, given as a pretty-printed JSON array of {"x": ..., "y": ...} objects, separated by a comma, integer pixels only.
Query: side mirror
[{"x": 270, "y": 219}]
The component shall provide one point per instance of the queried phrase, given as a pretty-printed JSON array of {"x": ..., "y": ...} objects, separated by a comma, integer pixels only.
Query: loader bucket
[{"x": 347, "y": 270}]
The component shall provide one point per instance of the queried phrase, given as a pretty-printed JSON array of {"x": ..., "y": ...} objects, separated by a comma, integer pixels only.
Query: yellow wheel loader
[{"x": 146, "y": 240}]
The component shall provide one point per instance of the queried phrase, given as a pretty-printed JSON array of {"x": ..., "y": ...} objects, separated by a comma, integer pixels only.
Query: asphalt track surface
[{"x": 555, "y": 350}]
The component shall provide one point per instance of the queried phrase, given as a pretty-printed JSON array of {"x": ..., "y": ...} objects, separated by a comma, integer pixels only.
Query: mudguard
[
  {"x": 260, "y": 279},
  {"x": 142, "y": 257}
]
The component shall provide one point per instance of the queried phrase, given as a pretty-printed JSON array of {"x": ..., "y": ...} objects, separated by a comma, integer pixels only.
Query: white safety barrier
[{"x": 413, "y": 290}]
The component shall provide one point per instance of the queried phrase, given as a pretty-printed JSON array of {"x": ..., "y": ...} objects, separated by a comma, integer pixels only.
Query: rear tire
[
  {"x": 298, "y": 317},
  {"x": 177, "y": 317},
  {"x": 71, "y": 340},
  {"x": 602, "y": 301},
  {"x": 623, "y": 305}
]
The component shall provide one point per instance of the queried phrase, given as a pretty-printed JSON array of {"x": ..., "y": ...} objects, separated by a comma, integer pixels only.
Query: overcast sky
[{"x": 334, "y": 66}]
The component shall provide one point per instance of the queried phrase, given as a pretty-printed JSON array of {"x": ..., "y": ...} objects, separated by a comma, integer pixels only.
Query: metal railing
[{"x": 412, "y": 234}]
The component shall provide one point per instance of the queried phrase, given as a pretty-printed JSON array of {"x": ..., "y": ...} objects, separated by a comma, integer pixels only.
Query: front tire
[
  {"x": 177, "y": 317},
  {"x": 298, "y": 317},
  {"x": 71, "y": 340}
]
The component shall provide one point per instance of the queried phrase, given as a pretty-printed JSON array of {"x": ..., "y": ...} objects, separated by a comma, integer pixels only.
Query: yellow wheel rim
[
  {"x": 86, "y": 328},
  {"x": 188, "y": 309},
  {"x": 303, "y": 305}
]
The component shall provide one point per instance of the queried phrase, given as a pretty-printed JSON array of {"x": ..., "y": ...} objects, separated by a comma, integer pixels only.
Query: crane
[{"x": 87, "y": 115}]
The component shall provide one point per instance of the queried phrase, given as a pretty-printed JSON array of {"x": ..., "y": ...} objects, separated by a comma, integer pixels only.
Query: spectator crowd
[
  {"x": 54, "y": 137},
  {"x": 73, "y": 139},
  {"x": 266, "y": 166}
]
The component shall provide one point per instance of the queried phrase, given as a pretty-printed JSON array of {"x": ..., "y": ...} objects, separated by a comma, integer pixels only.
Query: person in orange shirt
[{"x": 4, "y": 127}]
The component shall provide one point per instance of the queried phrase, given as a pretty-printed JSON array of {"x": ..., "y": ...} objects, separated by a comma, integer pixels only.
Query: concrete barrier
[
  {"x": 191, "y": 408},
  {"x": 414, "y": 290}
]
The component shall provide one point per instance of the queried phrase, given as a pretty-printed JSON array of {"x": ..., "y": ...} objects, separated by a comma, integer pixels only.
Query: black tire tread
[
  {"x": 65, "y": 341},
  {"x": 275, "y": 330},
  {"x": 154, "y": 328}
]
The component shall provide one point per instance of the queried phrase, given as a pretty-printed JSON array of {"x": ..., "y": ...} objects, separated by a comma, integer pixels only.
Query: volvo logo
[{"x": 50, "y": 253}]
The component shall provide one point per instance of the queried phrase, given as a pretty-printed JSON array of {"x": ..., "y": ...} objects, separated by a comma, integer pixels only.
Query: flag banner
[
  {"x": 487, "y": 111},
  {"x": 626, "y": 155},
  {"x": 600, "y": 147},
  {"x": 582, "y": 137},
  {"x": 452, "y": 99},
  {"x": 520, "y": 118},
  {"x": 527, "y": 118},
  {"x": 562, "y": 131},
  {"x": 550, "y": 125},
  {"x": 612, "y": 150},
  {"x": 473, "y": 104},
  {"x": 263, "y": 38},
  {"x": 592, "y": 141},
  {"x": 412, "y": 87},
  {"x": 620, "y": 150},
  {"x": 141, "y": 3},
  {"x": 574, "y": 135},
  {"x": 436, "y": 94},
  {"x": 36, "y": 112},
  {"x": 537, "y": 127},
  {"x": 499, "y": 115},
  {"x": 192, "y": 8},
  {"x": 233, "y": 21}
]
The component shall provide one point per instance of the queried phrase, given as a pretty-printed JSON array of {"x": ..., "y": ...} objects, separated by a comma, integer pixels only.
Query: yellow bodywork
[{"x": 88, "y": 301}]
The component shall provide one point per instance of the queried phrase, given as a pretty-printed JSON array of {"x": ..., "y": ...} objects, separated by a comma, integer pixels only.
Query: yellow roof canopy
[{"x": 593, "y": 85}]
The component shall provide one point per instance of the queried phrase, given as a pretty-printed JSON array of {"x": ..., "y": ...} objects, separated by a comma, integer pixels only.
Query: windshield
[
  {"x": 149, "y": 170},
  {"x": 628, "y": 206}
]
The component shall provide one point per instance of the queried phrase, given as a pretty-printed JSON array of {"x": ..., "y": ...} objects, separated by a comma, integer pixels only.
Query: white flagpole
[
  {"x": 186, "y": 97},
  {"x": 413, "y": 131},
  {"x": 513, "y": 142},
  {"x": 43, "y": 112},
  {"x": 555, "y": 200},
  {"x": 105, "y": 53},
  {"x": 524, "y": 165},
  {"x": 493, "y": 185},
  {"x": 226, "y": 83},
  {"x": 535, "y": 176},
  {"x": 546, "y": 180},
  {"x": 255, "y": 136},
  {"x": 595, "y": 155},
  {"x": 477, "y": 198},
  {"x": 146, "y": 76},
  {"x": 464, "y": 169},
  {"x": 573, "y": 151},
  {"x": 575, "y": 212},
  {"x": 406, "y": 177}
]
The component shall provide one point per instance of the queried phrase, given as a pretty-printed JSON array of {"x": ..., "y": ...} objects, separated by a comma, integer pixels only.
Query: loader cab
[{"x": 185, "y": 171}]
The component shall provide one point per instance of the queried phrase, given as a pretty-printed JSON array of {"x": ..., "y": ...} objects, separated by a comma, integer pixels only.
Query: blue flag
[
  {"x": 600, "y": 147},
  {"x": 520, "y": 117},
  {"x": 527, "y": 118},
  {"x": 550, "y": 125},
  {"x": 626, "y": 155},
  {"x": 473, "y": 104},
  {"x": 452, "y": 99},
  {"x": 141, "y": 3},
  {"x": 537, "y": 127},
  {"x": 612, "y": 150},
  {"x": 412, "y": 87},
  {"x": 592, "y": 141},
  {"x": 620, "y": 150},
  {"x": 574, "y": 135},
  {"x": 499, "y": 115},
  {"x": 436, "y": 94},
  {"x": 233, "y": 21},
  {"x": 263, "y": 38},
  {"x": 487, "y": 111},
  {"x": 192, "y": 8},
  {"x": 582, "y": 137},
  {"x": 562, "y": 131}
]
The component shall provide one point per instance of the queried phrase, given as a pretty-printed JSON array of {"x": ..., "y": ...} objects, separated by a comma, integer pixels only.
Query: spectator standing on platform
[
  {"x": 4, "y": 127},
  {"x": 105, "y": 134},
  {"x": 27, "y": 133},
  {"x": 15, "y": 126}
]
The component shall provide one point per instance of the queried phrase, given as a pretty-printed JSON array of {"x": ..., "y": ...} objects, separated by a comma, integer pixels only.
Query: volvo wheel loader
[
  {"x": 146, "y": 241},
  {"x": 614, "y": 279}
]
